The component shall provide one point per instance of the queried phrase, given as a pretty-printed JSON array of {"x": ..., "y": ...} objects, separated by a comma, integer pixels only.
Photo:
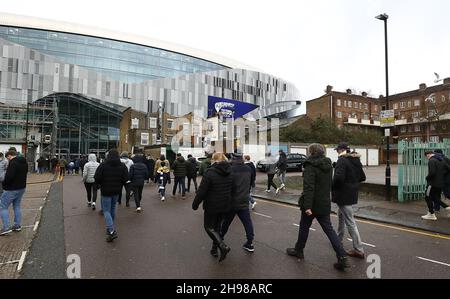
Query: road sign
[{"x": 387, "y": 118}]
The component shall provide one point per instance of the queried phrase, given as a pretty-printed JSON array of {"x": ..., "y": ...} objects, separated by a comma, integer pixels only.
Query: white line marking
[
  {"x": 40, "y": 208},
  {"x": 436, "y": 262},
  {"x": 21, "y": 261},
  {"x": 313, "y": 229},
  {"x": 10, "y": 262},
  {"x": 262, "y": 215},
  {"x": 28, "y": 226},
  {"x": 367, "y": 244},
  {"x": 36, "y": 226},
  {"x": 48, "y": 191}
]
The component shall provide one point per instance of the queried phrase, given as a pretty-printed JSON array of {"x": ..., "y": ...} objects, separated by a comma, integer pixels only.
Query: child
[{"x": 163, "y": 177}]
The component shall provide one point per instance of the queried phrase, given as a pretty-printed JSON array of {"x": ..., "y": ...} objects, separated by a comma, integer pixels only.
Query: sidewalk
[
  {"x": 375, "y": 208},
  {"x": 15, "y": 246}
]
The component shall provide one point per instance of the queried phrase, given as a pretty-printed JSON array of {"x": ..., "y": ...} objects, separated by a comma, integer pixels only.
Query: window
[
  {"x": 416, "y": 103},
  {"x": 402, "y": 105},
  {"x": 417, "y": 128},
  {"x": 434, "y": 139},
  {"x": 416, "y": 114},
  {"x": 431, "y": 113},
  {"x": 403, "y": 129},
  {"x": 135, "y": 123},
  {"x": 349, "y": 104},
  {"x": 144, "y": 139},
  {"x": 338, "y": 102},
  {"x": 361, "y": 106},
  {"x": 108, "y": 88},
  {"x": 375, "y": 108},
  {"x": 345, "y": 103},
  {"x": 395, "y": 106},
  {"x": 170, "y": 124},
  {"x": 417, "y": 139},
  {"x": 432, "y": 127},
  {"x": 443, "y": 99},
  {"x": 366, "y": 106},
  {"x": 339, "y": 114},
  {"x": 409, "y": 104},
  {"x": 152, "y": 122},
  {"x": 402, "y": 116}
]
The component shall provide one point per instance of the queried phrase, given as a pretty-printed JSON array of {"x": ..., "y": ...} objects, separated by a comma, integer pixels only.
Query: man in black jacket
[
  {"x": 282, "y": 168},
  {"x": 437, "y": 170},
  {"x": 111, "y": 176},
  {"x": 179, "y": 172},
  {"x": 252, "y": 167},
  {"x": 191, "y": 172},
  {"x": 138, "y": 176},
  {"x": 14, "y": 186},
  {"x": 348, "y": 174},
  {"x": 446, "y": 190},
  {"x": 215, "y": 192},
  {"x": 240, "y": 194}
]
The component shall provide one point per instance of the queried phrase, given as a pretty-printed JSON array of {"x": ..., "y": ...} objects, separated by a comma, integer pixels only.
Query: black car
[{"x": 294, "y": 162}]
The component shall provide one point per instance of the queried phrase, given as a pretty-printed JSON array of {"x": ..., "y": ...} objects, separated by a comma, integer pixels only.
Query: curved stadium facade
[{"x": 88, "y": 69}]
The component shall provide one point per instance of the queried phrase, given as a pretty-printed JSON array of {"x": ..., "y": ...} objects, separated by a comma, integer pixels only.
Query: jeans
[
  {"x": 8, "y": 197},
  {"x": 212, "y": 222},
  {"x": 179, "y": 180},
  {"x": 346, "y": 219},
  {"x": 109, "y": 210},
  {"x": 282, "y": 177},
  {"x": 137, "y": 194},
  {"x": 270, "y": 181},
  {"x": 327, "y": 227},
  {"x": 194, "y": 180},
  {"x": 244, "y": 216},
  {"x": 91, "y": 190},
  {"x": 432, "y": 197}
]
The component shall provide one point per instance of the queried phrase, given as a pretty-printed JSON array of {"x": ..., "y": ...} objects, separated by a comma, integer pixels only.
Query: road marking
[
  {"x": 367, "y": 244},
  {"x": 313, "y": 229},
  {"x": 36, "y": 226},
  {"x": 10, "y": 262},
  {"x": 21, "y": 261},
  {"x": 262, "y": 215},
  {"x": 436, "y": 262},
  {"x": 40, "y": 208},
  {"x": 433, "y": 235}
]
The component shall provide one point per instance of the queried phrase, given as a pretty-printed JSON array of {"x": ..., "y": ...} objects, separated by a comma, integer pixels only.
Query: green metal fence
[{"x": 413, "y": 168}]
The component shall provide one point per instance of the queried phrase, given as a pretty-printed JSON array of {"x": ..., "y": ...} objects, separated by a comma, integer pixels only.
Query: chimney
[
  {"x": 329, "y": 88},
  {"x": 422, "y": 86},
  {"x": 364, "y": 94},
  {"x": 349, "y": 91},
  {"x": 447, "y": 81}
]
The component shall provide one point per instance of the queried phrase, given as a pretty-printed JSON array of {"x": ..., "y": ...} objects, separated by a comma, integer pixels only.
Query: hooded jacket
[
  {"x": 191, "y": 170},
  {"x": 90, "y": 168},
  {"x": 179, "y": 167},
  {"x": 437, "y": 170},
  {"x": 282, "y": 162},
  {"x": 348, "y": 174},
  {"x": 158, "y": 165},
  {"x": 111, "y": 175},
  {"x": 16, "y": 174},
  {"x": 215, "y": 190},
  {"x": 127, "y": 161},
  {"x": 271, "y": 165},
  {"x": 317, "y": 178},
  {"x": 138, "y": 172},
  {"x": 242, "y": 181}
]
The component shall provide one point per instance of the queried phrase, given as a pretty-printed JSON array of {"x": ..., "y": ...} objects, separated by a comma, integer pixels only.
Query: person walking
[
  {"x": 191, "y": 172},
  {"x": 138, "y": 176},
  {"x": 252, "y": 167},
  {"x": 14, "y": 185},
  {"x": 62, "y": 166},
  {"x": 111, "y": 175},
  {"x": 437, "y": 169},
  {"x": 89, "y": 170},
  {"x": 163, "y": 178},
  {"x": 54, "y": 162},
  {"x": 271, "y": 171},
  {"x": 215, "y": 191},
  {"x": 205, "y": 164},
  {"x": 41, "y": 163},
  {"x": 446, "y": 190},
  {"x": 77, "y": 164},
  {"x": 3, "y": 168},
  {"x": 162, "y": 158},
  {"x": 179, "y": 167},
  {"x": 124, "y": 158},
  {"x": 315, "y": 203},
  {"x": 150, "y": 163},
  {"x": 348, "y": 174},
  {"x": 242, "y": 181},
  {"x": 282, "y": 168}
]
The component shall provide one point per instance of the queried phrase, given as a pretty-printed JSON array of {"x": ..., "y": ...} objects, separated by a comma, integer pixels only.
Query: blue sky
[{"x": 310, "y": 43}]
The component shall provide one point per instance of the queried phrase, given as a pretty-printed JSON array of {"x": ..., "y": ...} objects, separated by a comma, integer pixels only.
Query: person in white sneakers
[
  {"x": 162, "y": 178},
  {"x": 271, "y": 169},
  {"x": 435, "y": 182},
  {"x": 282, "y": 168},
  {"x": 89, "y": 180}
]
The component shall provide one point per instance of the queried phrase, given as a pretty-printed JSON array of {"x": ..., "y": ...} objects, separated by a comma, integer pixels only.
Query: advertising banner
[{"x": 227, "y": 108}]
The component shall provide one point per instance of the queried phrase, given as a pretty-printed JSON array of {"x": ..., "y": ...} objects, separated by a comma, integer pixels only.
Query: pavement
[{"x": 371, "y": 207}]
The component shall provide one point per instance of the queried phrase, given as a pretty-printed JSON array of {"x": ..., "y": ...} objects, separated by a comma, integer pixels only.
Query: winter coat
[
  {"x": 62, "y": 163},
  {"x": 89, "y": 169},
  {"x": 41, "y": 162},
  {"x": 348, "y": 174},
  {"x": 150, "y": 163},
  {"x": 138, "y": 172},
  {"x": 16, "y": 174},
  {"x": 158, "y": 165},
  {"x": 282, "y": 162},
  {"x": 317, "y": 176},
  {"x": 204, "y": 165},
  {"x": 128, "y": 162},
  {"x": 163, "y": 176},
  {"x": 3, "y": 167},
  {"x": 437, "y": 169},
  {"x": 271, "y": 165},
  {"x": 111, "y": 175},
  {"x": 215, "y": 190},
  {"x": 242, "y": 181},
  {"x": 191, "y": 171},
  {"x": 179, "y": 167}
]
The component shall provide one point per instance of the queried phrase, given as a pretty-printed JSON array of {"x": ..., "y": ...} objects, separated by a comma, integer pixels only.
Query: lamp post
[{"x": 384, "y": 17}]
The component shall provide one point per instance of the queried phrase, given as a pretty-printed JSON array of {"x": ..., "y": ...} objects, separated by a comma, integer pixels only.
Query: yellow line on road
[{"x": 414, "y": 231}]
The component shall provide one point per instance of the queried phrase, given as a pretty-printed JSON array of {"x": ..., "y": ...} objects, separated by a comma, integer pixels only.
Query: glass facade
[{"x": 120, "y": 61}]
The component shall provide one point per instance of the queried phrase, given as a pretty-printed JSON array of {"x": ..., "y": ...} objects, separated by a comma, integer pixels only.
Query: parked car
[{"x": 294, "y": 162}]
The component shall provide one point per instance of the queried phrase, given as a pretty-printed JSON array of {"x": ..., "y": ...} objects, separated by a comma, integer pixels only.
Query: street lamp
[{"x": 384, "y": 17}]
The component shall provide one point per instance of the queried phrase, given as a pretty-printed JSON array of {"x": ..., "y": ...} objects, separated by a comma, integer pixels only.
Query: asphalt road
[{"x": 167, "y": 240}]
